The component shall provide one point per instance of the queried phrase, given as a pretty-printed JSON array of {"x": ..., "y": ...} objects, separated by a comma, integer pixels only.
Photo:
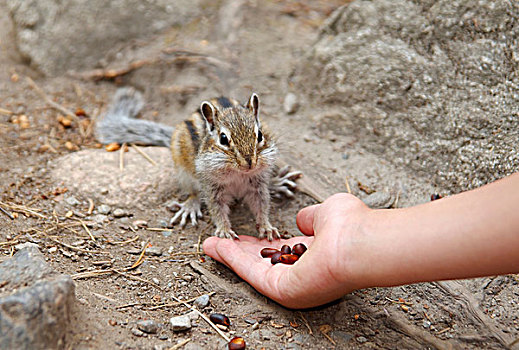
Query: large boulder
[
  {"x": 35, "y": 302},
  {"x": 96, "y": 174},
  {"x": 56, "y": 36},
  {"x": 429, "y": 85}
]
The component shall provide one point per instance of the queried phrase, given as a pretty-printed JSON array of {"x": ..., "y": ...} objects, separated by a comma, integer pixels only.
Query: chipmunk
[{"x": 222, "y": 152}]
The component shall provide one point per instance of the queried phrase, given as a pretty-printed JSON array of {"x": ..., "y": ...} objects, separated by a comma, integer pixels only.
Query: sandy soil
[{"x": 260, "y": 57}]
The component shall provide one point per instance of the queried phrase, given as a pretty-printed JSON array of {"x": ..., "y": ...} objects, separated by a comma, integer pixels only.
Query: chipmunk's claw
[
  {"x": 269, "y": 231},
  {"x": 223, "y": 233},
  {"x": 191, "y": 209},
  {"x": 284, "y": 182}
]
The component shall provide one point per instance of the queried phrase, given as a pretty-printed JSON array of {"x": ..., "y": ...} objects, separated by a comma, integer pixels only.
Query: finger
[
  {"x": 250, "y": 267},
  {"x": 209, "y": 248},
  {"x": 305, "y": 219}
]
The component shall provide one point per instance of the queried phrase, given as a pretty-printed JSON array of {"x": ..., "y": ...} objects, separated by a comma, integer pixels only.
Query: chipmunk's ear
[
  {"x": 253, "y": 105},
  {"x": 209, "y": 113}
]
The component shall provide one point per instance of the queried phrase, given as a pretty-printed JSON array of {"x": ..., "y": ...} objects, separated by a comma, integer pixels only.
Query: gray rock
[
  {"x": 137, "y": 332},
  {"x": 379, "y": 200},
  {"x": 153, "y": 251},
  {"x": 180, "y": 323},
  {"x": 52, "y": 34},
  {"x": 362, "y": 339},
  {"x": 148, "y": 326},
  {"x": 202, "y": 301},
  {"x": 119, "y": 213},
  {"x": 193, "y": 315},
  {"x": 140, "y": 184},
  {"x": 104, "y": 209},
  {"x": 100, "y": 219},
  {"x": 290, "y": 104},
  {"x": 341, "y": 336},
  {"x": 35, "y": 303},
  {"x": 422, "y": 86},
  {"x": 71, "y": 200}
]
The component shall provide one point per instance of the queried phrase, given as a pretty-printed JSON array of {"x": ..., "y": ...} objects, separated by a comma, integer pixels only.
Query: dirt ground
[{"x": 260, "y": 57}]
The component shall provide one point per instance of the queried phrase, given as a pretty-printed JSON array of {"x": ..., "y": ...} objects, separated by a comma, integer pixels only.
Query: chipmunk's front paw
[
  {"x": 223, "y": 233},
  {"x": 268, "y": 231},
  {"x": 191, "y": 209},
  {"x": 284, "y": 182}
]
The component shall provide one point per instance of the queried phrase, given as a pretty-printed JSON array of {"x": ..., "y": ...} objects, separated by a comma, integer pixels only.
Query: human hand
[{"x": 324, "y": 273}]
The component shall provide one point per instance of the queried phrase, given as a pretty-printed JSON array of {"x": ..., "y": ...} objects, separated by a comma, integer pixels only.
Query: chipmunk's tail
[{"x": 119, "y": 124}]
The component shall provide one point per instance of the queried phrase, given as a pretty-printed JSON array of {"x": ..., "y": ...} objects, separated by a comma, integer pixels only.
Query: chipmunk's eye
[
  {"x": 260, "y": 136},
  {"x": 224, "y": 141}
]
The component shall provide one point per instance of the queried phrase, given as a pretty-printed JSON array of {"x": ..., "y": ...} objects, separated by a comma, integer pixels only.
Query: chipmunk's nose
[{"x": 251, "y": 162}]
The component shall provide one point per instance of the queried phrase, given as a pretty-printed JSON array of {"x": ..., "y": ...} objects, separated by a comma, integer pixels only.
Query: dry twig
[
  {"x": 141, "y": 152},
  {"x": 178, "y": 302},
  {"x": 6, "y": 112},
  {"x": 347, "y": 185},
  {"x": 7, "y": 213},
  {"x": 141, "y": 257},
  {"x": 466, "y": 298},
  {"x": 90, "y": 206},
  {"x": 306, "y": 323},
  {"x": 121, "y": 156},
  {"x": 125, "y": 242},
  {"x": 56, "y": 106},
  {"x": 181, "y": 344},
  {"x": 23, "y": 209}
]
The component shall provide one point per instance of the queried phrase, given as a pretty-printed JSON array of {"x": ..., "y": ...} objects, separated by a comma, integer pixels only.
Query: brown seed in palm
[
  {"x": 288, "y": 259},
  {"x": 268, "y": 252},
  {"x": 286, "y": 249},
  {"x": 274, "y": 259},
  {"x": 299, "y": 249},
  {"x": 220, "y": 319},
  {"x": 236, "y": 343}
]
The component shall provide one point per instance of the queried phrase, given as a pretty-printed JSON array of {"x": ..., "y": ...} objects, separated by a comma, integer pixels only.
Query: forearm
[{"x": 471, "y": 234}]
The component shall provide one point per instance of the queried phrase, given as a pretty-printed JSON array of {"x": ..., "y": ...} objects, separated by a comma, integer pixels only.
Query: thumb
[{"x": 305, "y": 219}]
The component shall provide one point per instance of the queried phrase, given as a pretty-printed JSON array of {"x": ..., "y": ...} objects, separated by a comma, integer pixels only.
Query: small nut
[
  {"x": 285, "y": 249},
  {"x": 112, "y": 147},
  {"x": 288, "y": 259},
  {"x": 65, "y": 121},
  {"x": 268, "y": 252},
  {"x": 80, "y": 112},
  {"x": 274, "y": 259},
  {"x": 436, "y": 196},
  {"x": 299, "y": 249},
  {"x": 220, "y": 319},
  {"x": 236, "y": 343}
]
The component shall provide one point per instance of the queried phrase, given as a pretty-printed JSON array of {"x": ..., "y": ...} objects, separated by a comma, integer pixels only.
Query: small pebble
[
  {"x": 290, "y": 104},
  {"x": 140, "y": 223},
  {"x": 202, "y": 301},
  {"x": 104, "y": 209},
  {"x": 193, "y": 315},
  {"x": 25, "y": 245},
  {"x": 100, "y": 219},
  {"x": 72, "y": 200},
  {"x": 379, "y": 200},
  {"x": 155, "y": 280},
  {"x": 138, "y": 333},
  {"x": 119, "y": 213},
  {"x": 153, "y": 251},
  {"x": 362, "y": 339},
  {"x": 148, "y": 326},
  {"x": 180, "y": 323}
]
